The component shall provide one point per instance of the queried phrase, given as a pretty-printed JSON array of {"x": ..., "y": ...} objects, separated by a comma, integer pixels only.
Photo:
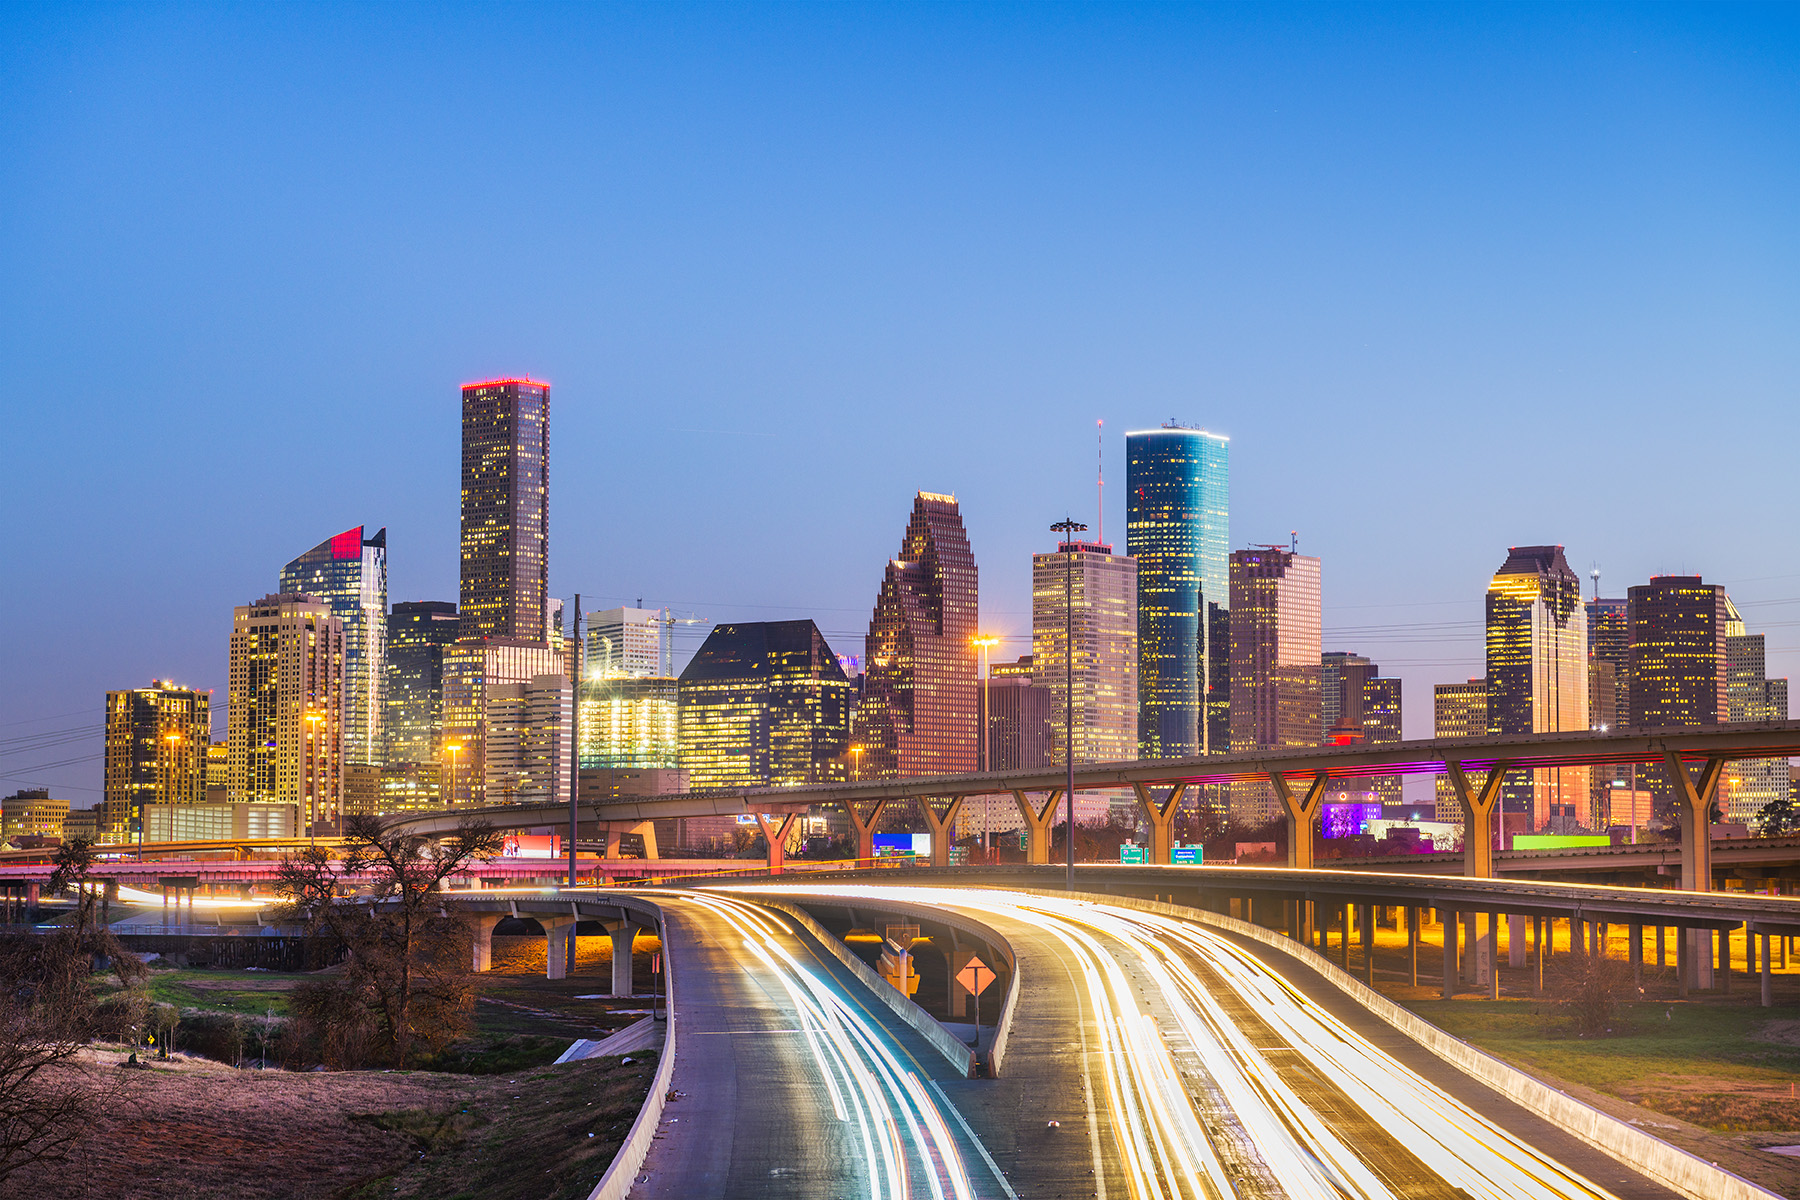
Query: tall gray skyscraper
[
  {"x": 349, "y": 573},
  {"x": 1177, "y": 503},
  {"x": 1537, "y": 673},
  {"x": 418, "y": 634},
  {"x": 506, "y": 509}
]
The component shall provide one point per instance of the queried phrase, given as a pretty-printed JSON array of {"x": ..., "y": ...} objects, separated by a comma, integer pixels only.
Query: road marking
[
  {"x": 1087, "y": 1082},
  {"x": 985, "y": 1156}
]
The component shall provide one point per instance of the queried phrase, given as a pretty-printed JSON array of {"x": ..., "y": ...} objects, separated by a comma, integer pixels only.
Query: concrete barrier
[
  {"x": 617, "y": 1183},
  {"x": 946, "y": 1043},
  {"x": 1671, "y": 1166}
]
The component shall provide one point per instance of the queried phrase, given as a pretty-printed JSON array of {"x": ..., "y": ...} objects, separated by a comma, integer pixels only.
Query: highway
[
  {"x": 787, "y": 1082},
  {"x": 1177, "y": 1063}
]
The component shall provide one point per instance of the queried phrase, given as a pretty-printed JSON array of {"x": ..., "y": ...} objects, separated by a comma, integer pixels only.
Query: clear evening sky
[{"x": 1451, "y": 278}]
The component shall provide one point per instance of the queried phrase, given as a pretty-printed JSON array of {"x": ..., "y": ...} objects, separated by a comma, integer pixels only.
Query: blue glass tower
[
  {"x": 1177, "y": 508},
  {"x": 349, "y": 572}
]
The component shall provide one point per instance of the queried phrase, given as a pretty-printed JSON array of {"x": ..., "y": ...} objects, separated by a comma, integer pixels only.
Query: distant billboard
[
  {"x": 895, "y": 845},
  {"x": 1558, "y": 841},
  {"x": 531, "y": 845},
  {"x": 1348, "y": 820}
]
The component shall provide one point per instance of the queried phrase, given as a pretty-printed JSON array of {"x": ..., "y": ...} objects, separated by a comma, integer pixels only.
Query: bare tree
[{"x": 406, "y": 973}]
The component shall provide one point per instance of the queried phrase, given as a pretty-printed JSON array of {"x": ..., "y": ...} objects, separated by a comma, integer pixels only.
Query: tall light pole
[
  {"x": 1069, "y": 528},
  {"x": 312, "y": 768},
  {"x": 453, "y": 749},
  {"x": 575, "y": 672}
]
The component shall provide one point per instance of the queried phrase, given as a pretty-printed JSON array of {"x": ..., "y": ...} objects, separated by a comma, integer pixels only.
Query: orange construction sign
[{"x": 975, "y": 977}]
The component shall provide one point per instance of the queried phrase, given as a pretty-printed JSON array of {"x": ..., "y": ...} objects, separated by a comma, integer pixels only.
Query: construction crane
[{"x": 669, "y": 621}]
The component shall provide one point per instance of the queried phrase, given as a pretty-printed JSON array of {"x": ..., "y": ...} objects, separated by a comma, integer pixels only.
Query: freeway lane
[
  {"x": 1214, "y": 1077},
  {"x": 788, "y": 1084}
]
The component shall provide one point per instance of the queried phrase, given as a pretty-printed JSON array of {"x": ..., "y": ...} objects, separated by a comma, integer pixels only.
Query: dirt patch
[
  {"x": 1779, "y": 1033},
  {"x": 251, "y": 984},
  {"x": 1747, "y": 1106},
  {"x": 200, "y": 1131}
]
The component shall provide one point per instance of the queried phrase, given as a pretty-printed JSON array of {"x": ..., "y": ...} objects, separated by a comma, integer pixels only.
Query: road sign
[
  {"x": 1130, "y": 854},
  {"x": 975, "y": 977},
  {"x": 1191, "y": 856}
]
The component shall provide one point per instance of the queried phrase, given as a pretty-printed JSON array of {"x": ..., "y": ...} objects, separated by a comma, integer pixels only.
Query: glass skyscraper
[
  {"x": 418, "y": 633},
  {"x": 919, "y": 714},
  {"x": 1101, "y": 589},
  {"x": 349, "y": 573},
  {"x": 764, "y": 703},
  {"x": 1276, "y": 662},
  {"x": 1537, "y": 673},
  {"x": 506, "y": 509},
  {"x": 1177, "y": 504},
  {"x": 157, "y": 743}
]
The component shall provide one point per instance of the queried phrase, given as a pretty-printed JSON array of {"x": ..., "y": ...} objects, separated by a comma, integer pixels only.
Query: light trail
[
  {"x": 1167, "y": 1149},
  {"x": 906, "y": 1143}
]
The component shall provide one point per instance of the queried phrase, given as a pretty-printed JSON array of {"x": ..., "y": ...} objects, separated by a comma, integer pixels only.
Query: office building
[
  {"x": 1359, "y": 707},
  {"x": 629, "y": 721},
  {"x": 1750, "y": 695},
  {"x": 1016, "y": 715},
  {"x": 218, "y": 773},
  {"x": 419, "y": 632},
  {"x": 222, "y": 822},
  {"x": 479, "y": 675},
  {"x": 349, "y": 573},
  {"x": 1275, "y": 663},
  {"x": 1678, "y": 664},
  {"x": 918, "y": 711},
  {"x": 1085, "y": 587},
  {"x": 362, "y": 791},
  {"x": 506, "y": 510},
  {"x": 286, "y": 706},
  {"x": 1537, "y": 673},
  {"x": 156, "y": 743},
  {"x": 1609, "y": 703},
  {"x": 411, "y": 787},
  {"x": 527, "y": 755},
  {"x": 764, "y": 703},
  {"x": 1177, "y": 503},
  {"x": 626, "y": 642},
  {"x": 32, "y": 812},
  {"x": 1458, "y": 710}
]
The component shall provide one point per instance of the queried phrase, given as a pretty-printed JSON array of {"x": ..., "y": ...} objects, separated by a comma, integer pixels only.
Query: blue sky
[{"x": 1451, "y": 277}]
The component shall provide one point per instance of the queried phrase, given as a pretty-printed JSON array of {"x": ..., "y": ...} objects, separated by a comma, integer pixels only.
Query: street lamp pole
[
  {"x": 1069, "y": 528},
  {"x": 574, "y": 664}
]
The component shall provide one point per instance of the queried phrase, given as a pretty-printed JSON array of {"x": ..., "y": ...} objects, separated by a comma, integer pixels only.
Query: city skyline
[{"x": 891, "y": 317}]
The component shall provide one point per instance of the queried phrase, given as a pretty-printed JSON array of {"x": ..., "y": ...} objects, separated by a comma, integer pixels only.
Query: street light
[
  {"x": 856, "y": 753},
  {"x": 1069, "y": 528},
  {"x": 453, "y": 749}
]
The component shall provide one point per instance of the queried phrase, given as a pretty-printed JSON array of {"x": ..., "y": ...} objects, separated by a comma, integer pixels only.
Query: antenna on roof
[
  {"x": 1294, "y": 541},
  {"x": 1595, "y": 572},
  {"x": 1100, "y": 479}
]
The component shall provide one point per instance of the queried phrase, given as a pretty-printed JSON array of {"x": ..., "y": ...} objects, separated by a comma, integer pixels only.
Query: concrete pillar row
[
  {"x": 481, "y": 931},
  {"x": 557, "y": 945},
  {"x": 622, "y": 938}
]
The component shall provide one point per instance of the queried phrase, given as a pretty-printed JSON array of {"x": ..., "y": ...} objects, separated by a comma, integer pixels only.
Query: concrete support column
[
  {"x": 1768, "y": 985},
  {"x": 865, "y": 828},
  {"x": 1515, "y": 940},
  {"x": 1412, "y": 942},
  {"x": 1301, "y": 814},
  {"x": 481, "y": 937},
  {"x": 1366, "y": 919},
  {"x": 1159, "y": 814},
  {"x": 1039, "y": 818},
  {"x": 1637, "y": 954},
  {"x": 1449, "y": 921},
  {"x": 1539, "y": 927},
  {"x": 1493, "y": 955},
  {"x": 1724, "y": 936},
  {"x": 622, "y": 938},
  {"x": 557, "y": 959},
  {"x": 1683, "y": 952},
  {"x": 940, "y": 813},
  {"x": 775, "y": 829},
  {"x": 1662, "y": 958},
  {"x": 1478, "y": 805},
  {"x": 1700, "y": 953},
  {"x": 1693, "y": 806}
]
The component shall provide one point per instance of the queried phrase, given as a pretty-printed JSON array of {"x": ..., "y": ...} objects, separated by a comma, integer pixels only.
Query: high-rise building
[
  {"x": 1276, "y": 631},
  {"x": 1678, "y": 663},
  {"x": 1177, "y": 504},
  {"x": 1609, "y": 700},
  {"x": 156, "y": 742},
  {"x": 1750, "y": 695},
  {"x": 506, "y": 509},
  {"x": 625, "y": 642},
  {"x": 526, "y": 749},
  {"x": 419, "y": 632},
  {"x": 32, "y": 812},
  {"x": 1356, "y": 707},
  {"x": 349, "y": 573},
  {"x": 287, "y": 700},
  {"x": 1537, "y": 672},
  {"x": 630, "y": 722},
  {"x": 479, "y": 675},
  {"x": 218, "y": 773},
  {"x": 918, "y": 712},
  {"x": 764, "y": 703},
  {"x": 1016, "y": 715},
  {"x": 1458, "y": 710},
  {"x": 1084, "y": 585}
]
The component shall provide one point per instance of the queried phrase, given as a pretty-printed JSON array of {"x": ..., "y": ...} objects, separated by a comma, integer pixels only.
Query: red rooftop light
[{"x": 528, "y": 381}]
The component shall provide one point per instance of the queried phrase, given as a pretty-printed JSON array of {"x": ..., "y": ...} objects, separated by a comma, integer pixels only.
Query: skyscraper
[
  {"x": 764, "y": 703},
  {"x": 1609, "y": 697},
  {"x": 349, "y": 573},
  {"x": 1750, "y": 695},
  {"x": 625, "y": 642},
  {"x": 1678, "y": 664},
  {"x": 1537, "y": 672},
  {"x": 1017, "y": 719},
  {"x": 525, "y": 742},
  {"x": 419, "y": 631},
  {"x": 506, "y": 509},
  {"x": 1086, "y": 584},
  {"x": 1358, "y": 707},
  {"x": 1275, "y": 662},
  {"x": 629, "y": 706},
  {"x": 918, "y": 714},
  {"x": 481, "y": 678},
  {"x": 156, "y": 744},
  {"x": 1176, "y": 526},
  {"x": 1458, "y": 710},
  {"x": 286, "y": 709}
]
